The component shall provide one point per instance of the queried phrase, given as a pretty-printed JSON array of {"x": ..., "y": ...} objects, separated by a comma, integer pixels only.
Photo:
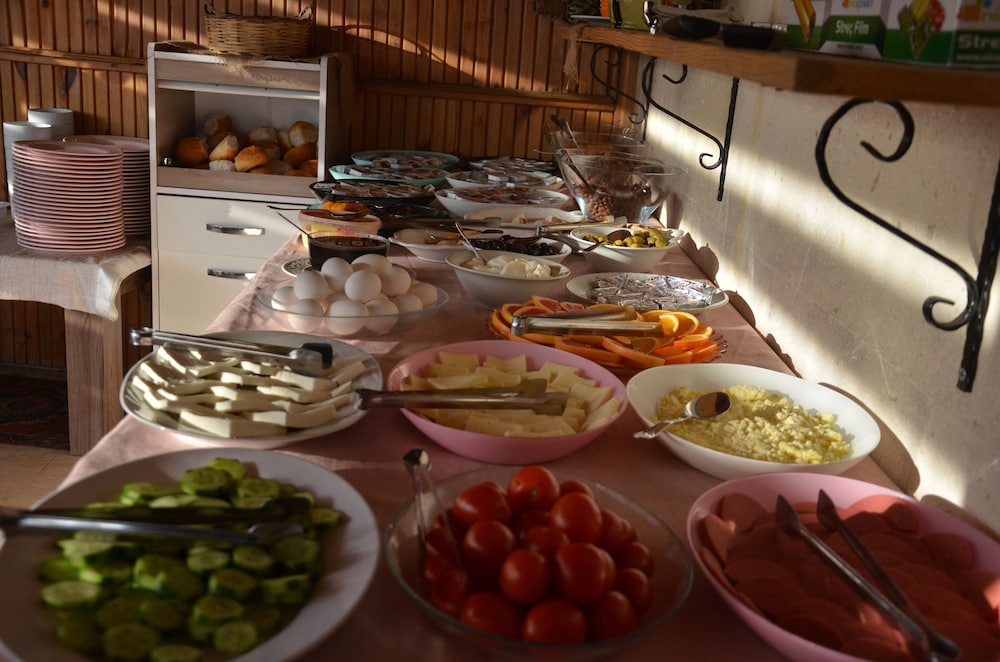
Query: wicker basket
[{"x": 259, "y": 36}]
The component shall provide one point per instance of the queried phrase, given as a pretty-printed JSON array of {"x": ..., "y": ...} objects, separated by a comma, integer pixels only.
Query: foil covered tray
[{"x": 647, "y": 291}]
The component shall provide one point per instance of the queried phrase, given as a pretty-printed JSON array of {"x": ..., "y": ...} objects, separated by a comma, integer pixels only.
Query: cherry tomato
[
  {"x": 532, "y": 487},
  {"x": 634, "y": 585},
  {"x": 449, "y": 592},
  {"x": 436, "y": 566},
  {"x": 582, "y": 572},
  {"x": 437, "y": 539},
  {"x": 611, "y": 616},
  {"x": 492, "y": 612},
  {"x": 554, "y": 621},
  {"x": 485, "y": 546},
  {"x": 524, "y": 576},
  {"x": 568, "y": 486},
  {"x": 530, "y": 519},
  {"x": 635, "y": 554},
  {"x": 544, "y": 539},
  {"x": 578, "y": 515},
  {"x": 482, "y": 502},
  {"x": 615, "y": 531}
]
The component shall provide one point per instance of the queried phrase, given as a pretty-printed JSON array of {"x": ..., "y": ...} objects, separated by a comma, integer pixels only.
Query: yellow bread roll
[
  {"x": 226, "y": 150},
  {"x": 300, "y": 133},
  {"x": 250, "y": 157},
  {"x": 191, "y": 151}
]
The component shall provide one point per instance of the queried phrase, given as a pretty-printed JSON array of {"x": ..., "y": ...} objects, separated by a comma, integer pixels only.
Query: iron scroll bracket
[
  {"x": 973, "y": 315},
  {"x": 707, "y": 160}
]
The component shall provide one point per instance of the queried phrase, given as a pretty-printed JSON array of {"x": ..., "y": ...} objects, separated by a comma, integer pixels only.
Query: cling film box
[
  {"x": 947, "y": 32},
  {"x": 853, "y": 27},
  {"x": 802, "y": 20}
]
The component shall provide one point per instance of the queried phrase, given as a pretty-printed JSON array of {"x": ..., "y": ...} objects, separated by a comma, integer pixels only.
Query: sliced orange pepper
[
  {"x": 682, "y": 357},
  {"x": 594, "y": 341},
  {"x": 601, "y": 356},
  {"x": 540, "y": 338},
  {"x": 641, "y": 359}
]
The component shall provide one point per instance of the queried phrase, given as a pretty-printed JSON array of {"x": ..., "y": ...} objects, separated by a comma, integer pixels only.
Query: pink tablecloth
[{"x": 369, "y": 456}]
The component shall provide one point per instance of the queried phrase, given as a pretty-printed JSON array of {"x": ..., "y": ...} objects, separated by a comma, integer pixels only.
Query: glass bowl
[
  {"x": 349, "y": 326},
  {"x": 618, "y": 185},
  {"x": 671, "y": 580}
]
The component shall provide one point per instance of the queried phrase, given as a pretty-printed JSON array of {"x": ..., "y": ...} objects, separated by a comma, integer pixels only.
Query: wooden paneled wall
[{"x": 470, "y": 77}]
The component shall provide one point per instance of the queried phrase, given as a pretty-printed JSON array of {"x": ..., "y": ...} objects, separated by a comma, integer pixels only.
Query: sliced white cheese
[
  {"x": 303, "y": 381},
  {"x": 243, "y": 378},
  {"x": 230, "y": 427},
  {"x": 300, "y": 419},
  {"x": 293, "y": 394}
]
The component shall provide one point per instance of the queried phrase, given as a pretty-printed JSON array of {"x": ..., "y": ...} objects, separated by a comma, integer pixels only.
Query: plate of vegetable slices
[{"x": 344, "y": 565}]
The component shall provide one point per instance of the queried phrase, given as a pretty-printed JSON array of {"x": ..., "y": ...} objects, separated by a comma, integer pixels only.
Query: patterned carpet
[{"x": 33, "y": 412}]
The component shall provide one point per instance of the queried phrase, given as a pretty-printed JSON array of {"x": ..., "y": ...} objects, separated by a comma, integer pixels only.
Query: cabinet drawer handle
[
  {"x": 229, "y": 229},
  {"x": 228, "y": 273}
]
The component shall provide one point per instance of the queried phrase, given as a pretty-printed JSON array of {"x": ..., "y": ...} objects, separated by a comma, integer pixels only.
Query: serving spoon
[{"x": 708, "y": 405}]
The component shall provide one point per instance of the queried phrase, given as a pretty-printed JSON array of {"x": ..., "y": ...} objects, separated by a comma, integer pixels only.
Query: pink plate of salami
[{"x": 786, "y": 594}]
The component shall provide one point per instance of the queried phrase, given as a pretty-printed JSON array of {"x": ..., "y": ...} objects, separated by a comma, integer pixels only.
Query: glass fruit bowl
[{"x": 671, "y": 581}]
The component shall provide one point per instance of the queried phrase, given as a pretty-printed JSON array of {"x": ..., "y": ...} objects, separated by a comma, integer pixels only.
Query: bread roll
[
  {"x": 297, "y": 173},
  {"x": 303, "y": 152},
  {"x": 279, "y": 167},
  {"x": 219, "y": 137},
  {"x": 191, "y": 151},
  {"x": 218, "y": 124},
  {"x": 260, "y": 134},
  {"x": 272, "y": 150},
  {"x": 311, "y": 166},
  {"x": 262, "y": 170},
  {"x": 226, "y": 150},
  {"x": 250, "y": 157},
  {"x": 222, "y": 165},
  {"x": 284, "y": 141},
  {"x": 301, "y": 133}
]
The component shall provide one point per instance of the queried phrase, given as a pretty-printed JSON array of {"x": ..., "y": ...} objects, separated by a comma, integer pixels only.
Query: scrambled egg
[{"x": 761, "y": 425}]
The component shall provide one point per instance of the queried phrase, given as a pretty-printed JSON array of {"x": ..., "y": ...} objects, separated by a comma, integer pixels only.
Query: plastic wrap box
[
  {"x": 853, "y": 27},
  {"x": 945, "y": 32}
]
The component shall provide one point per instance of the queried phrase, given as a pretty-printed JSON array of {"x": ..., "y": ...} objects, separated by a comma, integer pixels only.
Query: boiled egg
[
  {"x": 382, "y": 315},
  {"x": 407, "y": 302},
  {"x": 283, "y": 297},
  {"x": 363, "y": 285},
  {"x": 395, "y": 280},
  {"x": 426, "y": 292},
  {"x": 305, "y": 315},
  {"x": 345, "y": 317},
  {"x": 374, "y": 261},
  {"x": 336, "y": 270},
  {"x": 311, "y": 285}
]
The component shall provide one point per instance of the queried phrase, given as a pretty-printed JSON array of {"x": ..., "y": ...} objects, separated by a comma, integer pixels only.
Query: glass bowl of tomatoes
[{"x": 543, "y": 565}]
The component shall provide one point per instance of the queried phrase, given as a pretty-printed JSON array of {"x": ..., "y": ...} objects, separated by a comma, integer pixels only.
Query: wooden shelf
[{"x": 800, "y": 71}]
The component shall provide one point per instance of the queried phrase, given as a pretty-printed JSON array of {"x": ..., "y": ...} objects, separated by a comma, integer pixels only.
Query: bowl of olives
[{"x": 640, "y": 251}]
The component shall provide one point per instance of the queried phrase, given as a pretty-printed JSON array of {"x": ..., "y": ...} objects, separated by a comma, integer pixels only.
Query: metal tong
[
  {"x": 925, "y": 642},
  {"x": 529, "y": 394},
  {"x": 309, "y": 359},
  {"x": 180, "y": 522},
  {"x": 621, "y": 322}
]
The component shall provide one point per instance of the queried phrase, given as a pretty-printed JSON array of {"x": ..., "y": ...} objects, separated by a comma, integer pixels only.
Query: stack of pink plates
[
  {"x": 68, "y": 196},
  {"x": 135, "y": 167}
]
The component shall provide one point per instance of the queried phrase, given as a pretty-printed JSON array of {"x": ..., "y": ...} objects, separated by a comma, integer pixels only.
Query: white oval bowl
[{"x": 492, "y": 290}]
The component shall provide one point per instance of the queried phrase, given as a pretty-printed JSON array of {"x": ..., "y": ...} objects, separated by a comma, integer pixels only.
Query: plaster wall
[{"x": 840, "y": 296}]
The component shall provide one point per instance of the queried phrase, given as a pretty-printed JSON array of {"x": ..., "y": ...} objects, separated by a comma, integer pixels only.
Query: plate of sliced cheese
[{"x": 216, "y": 398}]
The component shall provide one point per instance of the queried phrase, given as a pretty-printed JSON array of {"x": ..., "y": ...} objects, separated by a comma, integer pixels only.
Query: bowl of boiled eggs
[{"x": 369, "y": 296}]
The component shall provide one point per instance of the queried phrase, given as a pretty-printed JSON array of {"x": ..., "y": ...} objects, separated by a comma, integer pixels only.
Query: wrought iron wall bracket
[
  {"x": 973, "y": 315},
  {"x": 707, "y": 160},
  {"x": 722, "y": 146}
]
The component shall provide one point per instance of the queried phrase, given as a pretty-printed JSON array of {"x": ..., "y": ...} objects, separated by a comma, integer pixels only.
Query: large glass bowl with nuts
[{"x": 618, "y": 186}]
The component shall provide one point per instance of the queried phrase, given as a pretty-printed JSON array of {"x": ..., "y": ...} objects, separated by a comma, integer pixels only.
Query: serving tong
[
  {"x": 925, "y": 643},
  {"x": 265, "y": 524},
  {"x": 310, "y": 358},
  {"x": 529, "y": 394},
  {"x": 623, "y": 321}
]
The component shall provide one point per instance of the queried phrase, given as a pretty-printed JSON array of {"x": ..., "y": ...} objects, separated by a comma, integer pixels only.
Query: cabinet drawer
[
  {"x": 219, "y": 227},
  {"x": 192, "y": 289}
]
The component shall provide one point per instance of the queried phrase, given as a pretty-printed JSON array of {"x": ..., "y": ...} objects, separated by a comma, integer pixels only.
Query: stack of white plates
[
  {"x": 135, "y": 167},
  {"x": 69, "y": 196}
]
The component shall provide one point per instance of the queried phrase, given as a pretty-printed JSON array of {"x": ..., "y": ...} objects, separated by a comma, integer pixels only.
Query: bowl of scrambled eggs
[{"x": 777, "y": 422}]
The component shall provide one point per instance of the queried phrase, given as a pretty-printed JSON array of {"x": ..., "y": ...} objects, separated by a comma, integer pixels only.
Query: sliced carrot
[
  {"x": 601, "y": 356},
  {"x": 548, "y": 303},
  {"x": 636, "y": 357}
]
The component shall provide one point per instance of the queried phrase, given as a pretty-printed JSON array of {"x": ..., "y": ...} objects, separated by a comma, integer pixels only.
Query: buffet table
[
  {"x": 89, "y": 289},
  {"x": 369, "y": 456}
]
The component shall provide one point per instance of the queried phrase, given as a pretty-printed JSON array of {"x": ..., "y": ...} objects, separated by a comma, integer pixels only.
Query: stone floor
[{"x": 27, "y": 474}]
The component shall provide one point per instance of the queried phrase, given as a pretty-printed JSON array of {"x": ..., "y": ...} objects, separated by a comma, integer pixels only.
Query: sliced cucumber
[
  {"x": 231, "y": 583},
  {"x": 79, "y": 632},
  {"x": 206, "y": 482},
  {"x": 71, "y": 594},
  {"x": 285, "y": 591},
  {"x": 297, "y": 554},
  {"x": 233, "y": 467},
  {"x": 176, "y": 653},
  {"x": 235, "y": 637},
  {"x": 117, "y": 611},
  {"x": 258, "y": 487},
  {"x": 57, "y": 569},
  {"x": 203, "y": 560},
  {"x": 130, "y": 642},
  {"x": 144, "y": 492},
  {"x": 253, "y": 559},
  {"x": 162, "y": 614},
  {"x": 215, "y": 610}
]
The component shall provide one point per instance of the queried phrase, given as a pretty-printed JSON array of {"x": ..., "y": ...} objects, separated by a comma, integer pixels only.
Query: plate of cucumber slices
[{"x": 78, "y": 598}]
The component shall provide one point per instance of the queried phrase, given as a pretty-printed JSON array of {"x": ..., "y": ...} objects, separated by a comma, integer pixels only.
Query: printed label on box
[
  {"x": 943, "y": 32},
  {"x": 853, "y": 27}
]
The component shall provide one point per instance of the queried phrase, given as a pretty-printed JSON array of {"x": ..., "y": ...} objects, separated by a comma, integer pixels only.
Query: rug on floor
[{"x": 33, "y": 412}]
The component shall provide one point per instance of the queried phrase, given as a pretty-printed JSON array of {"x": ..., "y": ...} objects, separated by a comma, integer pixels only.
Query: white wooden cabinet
[{"x": 212, "y": 230}]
